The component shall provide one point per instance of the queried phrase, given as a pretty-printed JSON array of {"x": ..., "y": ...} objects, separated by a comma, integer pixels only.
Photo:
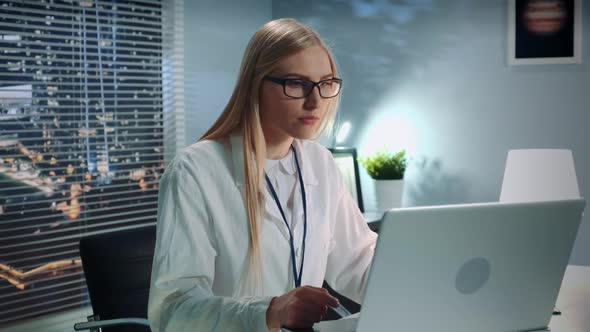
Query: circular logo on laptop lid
[{"x": 473, "y": 275}]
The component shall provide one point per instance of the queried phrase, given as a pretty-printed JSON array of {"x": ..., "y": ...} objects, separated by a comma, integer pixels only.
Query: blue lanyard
[{"x": 296, "y": 276}]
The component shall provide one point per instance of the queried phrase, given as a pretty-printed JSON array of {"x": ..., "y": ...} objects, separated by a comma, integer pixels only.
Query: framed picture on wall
[
  {"x": 347, "y": 164},
  {"x": 544, "y": 32}
]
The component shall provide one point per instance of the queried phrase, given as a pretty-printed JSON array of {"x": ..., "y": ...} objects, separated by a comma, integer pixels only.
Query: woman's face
[{"x": 283, "y": 117}]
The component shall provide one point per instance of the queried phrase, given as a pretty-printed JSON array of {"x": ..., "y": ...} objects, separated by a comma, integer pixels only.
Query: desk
[{"x": 573, "y": 301}]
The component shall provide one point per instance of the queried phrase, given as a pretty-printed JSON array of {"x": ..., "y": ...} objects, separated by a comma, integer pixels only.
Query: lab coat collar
[
  {"x": 309, "y": 178},
  {"x": 287, "y": 164},
  {"x": 272, "y": 211}
]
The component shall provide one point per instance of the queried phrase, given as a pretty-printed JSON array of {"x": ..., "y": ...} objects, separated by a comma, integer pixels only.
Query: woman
[{"x": 254, "y": 216}]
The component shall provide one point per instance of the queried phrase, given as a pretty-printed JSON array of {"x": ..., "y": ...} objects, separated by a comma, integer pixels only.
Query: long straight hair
[{"x": 270, "y": 44}]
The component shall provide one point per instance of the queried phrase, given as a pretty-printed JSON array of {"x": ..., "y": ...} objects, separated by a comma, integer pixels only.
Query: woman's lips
[{"x": 309, "y": 120}]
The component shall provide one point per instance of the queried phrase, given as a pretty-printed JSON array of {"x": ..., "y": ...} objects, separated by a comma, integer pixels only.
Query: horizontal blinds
[
  {"x": 82, "y": 127},
  {"x": 173, "y": 77}
]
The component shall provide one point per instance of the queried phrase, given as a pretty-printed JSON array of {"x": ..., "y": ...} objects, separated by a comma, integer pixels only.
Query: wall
[
  {"x": 432, "y": 77},
  {"x": 216, "y": 35}
]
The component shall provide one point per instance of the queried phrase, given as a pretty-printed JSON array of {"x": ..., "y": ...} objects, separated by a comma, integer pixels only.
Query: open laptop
[{"x": 488, "y": 267}]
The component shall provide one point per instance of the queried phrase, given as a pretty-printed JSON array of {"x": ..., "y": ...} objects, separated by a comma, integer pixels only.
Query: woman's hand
[{"x": 299, "y": 308}]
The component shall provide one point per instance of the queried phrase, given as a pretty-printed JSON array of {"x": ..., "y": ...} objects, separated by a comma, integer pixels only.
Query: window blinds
[{"x": 81, "y": 138}]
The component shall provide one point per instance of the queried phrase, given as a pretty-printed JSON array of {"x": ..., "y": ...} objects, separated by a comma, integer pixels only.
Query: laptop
[{"x": 486, "y": 267}]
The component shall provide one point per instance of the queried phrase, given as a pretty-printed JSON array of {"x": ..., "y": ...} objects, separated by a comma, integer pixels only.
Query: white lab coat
[{"x": 199, "y": 267}]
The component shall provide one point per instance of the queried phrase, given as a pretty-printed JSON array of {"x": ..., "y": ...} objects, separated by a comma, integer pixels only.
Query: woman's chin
[{"x": 305, "y": 134}]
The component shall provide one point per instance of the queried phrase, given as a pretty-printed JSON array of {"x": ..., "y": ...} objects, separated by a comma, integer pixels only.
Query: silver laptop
[{"x": 489, "y": 267}]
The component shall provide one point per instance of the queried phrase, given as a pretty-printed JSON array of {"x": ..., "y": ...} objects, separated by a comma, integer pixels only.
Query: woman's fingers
[
  {"x": 316, "y": 295},
  {"x": 301, "y": 307},
  {"x": 306, "y": 305}
]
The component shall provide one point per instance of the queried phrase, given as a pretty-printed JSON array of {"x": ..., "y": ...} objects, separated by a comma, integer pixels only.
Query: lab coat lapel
[
  {"x": 305, "y": 163},
  {"x": 271, "y": 211},
  {"x": 273, "y": 214},
  {"x": 309, "y": 181}
]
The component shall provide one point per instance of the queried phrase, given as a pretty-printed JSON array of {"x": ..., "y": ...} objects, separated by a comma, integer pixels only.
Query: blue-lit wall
[
  {"x": 216, "y": 34},
  {"x": 432, "y": 77}
]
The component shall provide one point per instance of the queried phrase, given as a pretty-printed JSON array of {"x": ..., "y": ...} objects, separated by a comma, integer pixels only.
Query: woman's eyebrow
[{"x": 330, "y": 75}]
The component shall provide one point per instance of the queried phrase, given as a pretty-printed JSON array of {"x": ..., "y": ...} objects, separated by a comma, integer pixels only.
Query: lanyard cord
[{"x": 296, "y": 276}]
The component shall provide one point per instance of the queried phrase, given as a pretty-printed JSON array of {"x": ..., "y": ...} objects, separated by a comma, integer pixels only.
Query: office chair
[{"x": 118, "y": 267}]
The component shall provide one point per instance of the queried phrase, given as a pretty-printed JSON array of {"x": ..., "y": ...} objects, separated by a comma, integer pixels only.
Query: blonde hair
[{"x": 270, "y": 44}]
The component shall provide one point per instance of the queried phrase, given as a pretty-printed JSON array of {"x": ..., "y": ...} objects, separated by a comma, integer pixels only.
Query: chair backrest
[
  {"x": 539, "y": 175},
  {"x": 118, "y": 267}
]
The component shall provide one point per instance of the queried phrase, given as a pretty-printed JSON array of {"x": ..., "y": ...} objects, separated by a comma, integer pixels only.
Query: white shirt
[
  {"x": 199, "y": 273},
  {"x": 283, "y": 176}
]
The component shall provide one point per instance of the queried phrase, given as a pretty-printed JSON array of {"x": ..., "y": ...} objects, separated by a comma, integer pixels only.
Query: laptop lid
[{"x": 472, "y": 267}]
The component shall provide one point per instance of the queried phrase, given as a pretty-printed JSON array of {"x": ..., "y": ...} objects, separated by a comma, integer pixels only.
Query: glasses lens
[
  {"x": 329, "y": 88},
  {"x": 297, "y": 88}
]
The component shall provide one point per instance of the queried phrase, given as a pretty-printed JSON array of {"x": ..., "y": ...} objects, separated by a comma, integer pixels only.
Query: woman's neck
[{"x": 278, "y": 149}]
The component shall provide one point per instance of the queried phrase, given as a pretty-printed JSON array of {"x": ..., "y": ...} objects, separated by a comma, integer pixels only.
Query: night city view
[{"x": 81, "y": 140}]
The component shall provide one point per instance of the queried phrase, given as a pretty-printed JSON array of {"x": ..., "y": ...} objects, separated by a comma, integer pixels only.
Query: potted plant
[{"x": 387, "y": 170}]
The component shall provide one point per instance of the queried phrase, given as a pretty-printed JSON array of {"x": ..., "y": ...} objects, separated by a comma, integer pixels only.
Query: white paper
[{"x": 346, "y": 324}]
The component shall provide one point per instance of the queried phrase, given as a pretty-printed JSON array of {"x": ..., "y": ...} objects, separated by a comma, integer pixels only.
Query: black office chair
[{"x": 118, "y": 267}]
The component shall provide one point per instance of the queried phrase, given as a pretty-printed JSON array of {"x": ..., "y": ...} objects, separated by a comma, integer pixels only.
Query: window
[{"x": 81, "y": 139}]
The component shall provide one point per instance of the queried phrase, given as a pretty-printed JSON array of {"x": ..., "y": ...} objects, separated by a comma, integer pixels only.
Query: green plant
[{"x": 385, "y": 166}]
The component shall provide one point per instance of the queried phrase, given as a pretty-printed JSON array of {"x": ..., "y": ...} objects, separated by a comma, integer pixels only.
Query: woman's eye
[{"x": 296, "y": 83}]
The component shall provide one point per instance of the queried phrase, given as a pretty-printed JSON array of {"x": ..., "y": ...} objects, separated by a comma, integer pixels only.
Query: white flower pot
[{"x": 388, "y": 194}]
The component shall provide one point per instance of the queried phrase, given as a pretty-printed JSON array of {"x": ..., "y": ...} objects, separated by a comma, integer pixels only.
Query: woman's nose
[{"x": 313, "y": 99}]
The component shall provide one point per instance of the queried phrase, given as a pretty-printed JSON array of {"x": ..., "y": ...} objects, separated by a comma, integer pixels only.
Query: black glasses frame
[{"x": 283, "y": 81}]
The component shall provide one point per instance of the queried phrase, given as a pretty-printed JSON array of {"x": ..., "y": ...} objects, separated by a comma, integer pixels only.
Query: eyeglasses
[{"x": 300, "y": 88}]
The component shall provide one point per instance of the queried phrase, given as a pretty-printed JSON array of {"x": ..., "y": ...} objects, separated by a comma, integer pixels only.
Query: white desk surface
[{"x": 573, "y": 301}]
